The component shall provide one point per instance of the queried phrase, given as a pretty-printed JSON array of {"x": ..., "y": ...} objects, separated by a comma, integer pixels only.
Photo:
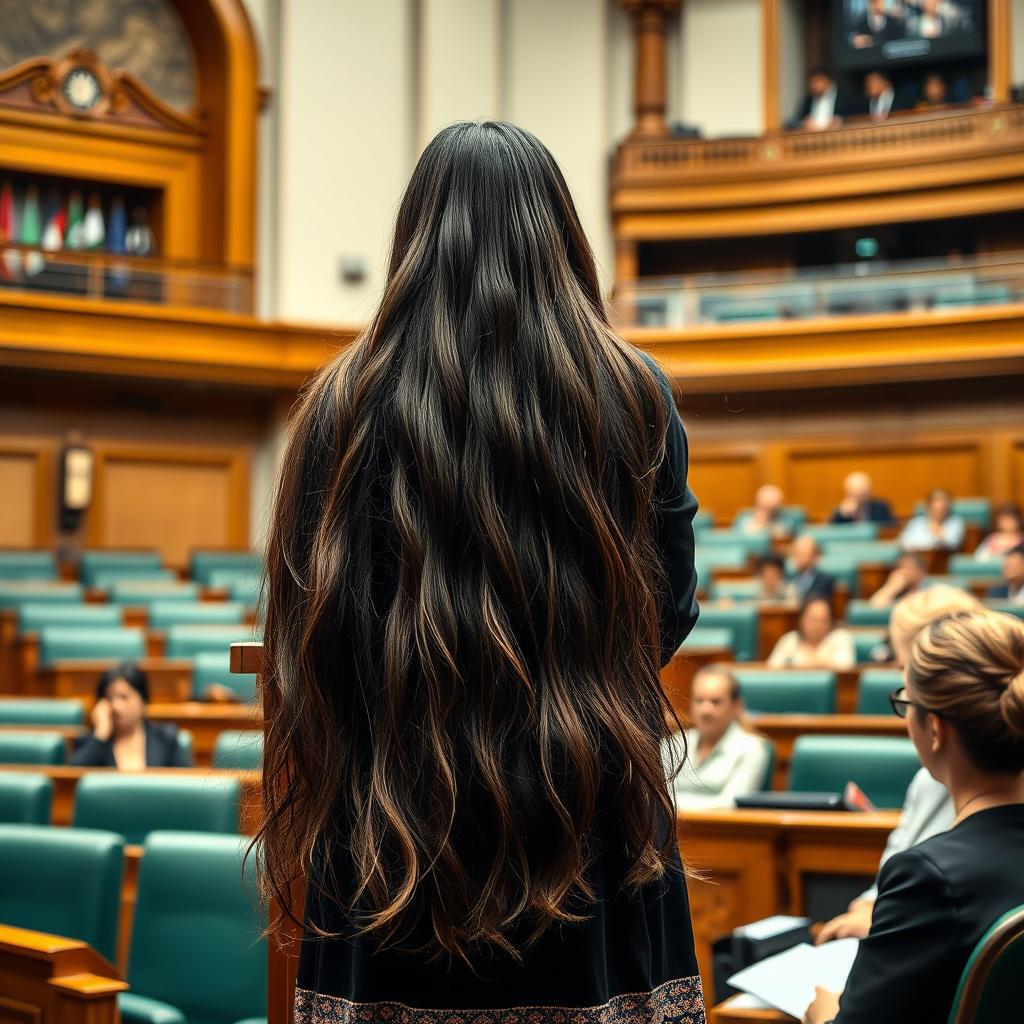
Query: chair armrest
[{"x": 136, "y": 1009}]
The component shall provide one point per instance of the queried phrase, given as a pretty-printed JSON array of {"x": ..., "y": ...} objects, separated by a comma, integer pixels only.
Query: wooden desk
[
  {"x": 774, "y": 620},
  {"x": 752, "y": 864},
  {"x": 169, "y": 680},
  {"x": 783, "y": 730},
  {"x": 65, "y": 780},
  {"x": 53, "y": 980},
  {"x": 727, "y": 1013},
  {"x": 678, "y": 674},
  {"x": 206, "y": 722}
]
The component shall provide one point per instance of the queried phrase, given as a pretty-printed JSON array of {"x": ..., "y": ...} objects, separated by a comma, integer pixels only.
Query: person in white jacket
[{"x": 723, "y": 760}]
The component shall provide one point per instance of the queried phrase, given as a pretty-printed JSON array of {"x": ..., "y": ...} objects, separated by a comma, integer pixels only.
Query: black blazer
[
  {"x": 162, "y": 750},
  {"x": 935, "y": 901},
  {"x": 892, "y": 29},
  {"x": 845, "y": 106},
  {"x": 819, "y": 583},
  {"x": 1001, "y": 590},
  {"x": 876, "y": 510}
]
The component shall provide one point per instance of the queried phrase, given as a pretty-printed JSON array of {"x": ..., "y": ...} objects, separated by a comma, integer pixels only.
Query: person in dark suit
[
  {"x": 1012, "y": 589},
  {"x": 807, "y": 578},
  {"x": 880, "y": 98},
  {"x": 121, "y": 735},
  {"x": 825, "y": 104},
  {"x": 877, "y": 25},
  {"x": 859, "y": 505},
  {"x": 964, "y": 706}
]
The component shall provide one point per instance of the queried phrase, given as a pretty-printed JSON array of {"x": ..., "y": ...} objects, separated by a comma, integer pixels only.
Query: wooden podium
[{"x": 46, "y": 979}]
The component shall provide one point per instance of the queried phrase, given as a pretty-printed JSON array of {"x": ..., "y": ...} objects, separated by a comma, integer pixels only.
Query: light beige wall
[
  {"x": 792, "y": 57},
  {"x": 1017, "y": 31},
  {"x": 721, "y": 61}
]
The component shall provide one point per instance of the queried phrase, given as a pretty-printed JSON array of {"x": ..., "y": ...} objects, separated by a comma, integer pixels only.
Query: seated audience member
[
  {"x": 764, "y": 517},
  {"x": 1013, "y": 574},
  {"x": 934, "y": 92},
  {"x": 807, "y": 577},
  {"x": 814, "y": 643},
  {"x": 121, "y": 735},
  {"x": 877, "y": 25},
  {"x": 859, "y": 505},
  {"x": 771, "y": 574},
  {"x": 824, "y": 106},
  {"x": 880, "y": 98},
  {"x": 1009, "y": 533},
  {"x": 936, "y": 528},
  {"x": 963, "y": 702},
  {"x": 928, "y": 807},
  {"x": 908, "y": 576},
  {"x": 722, "y": 759}
]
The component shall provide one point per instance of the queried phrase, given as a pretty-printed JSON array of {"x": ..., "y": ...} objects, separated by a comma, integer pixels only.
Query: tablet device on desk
[{"x": 794, "y": 802}]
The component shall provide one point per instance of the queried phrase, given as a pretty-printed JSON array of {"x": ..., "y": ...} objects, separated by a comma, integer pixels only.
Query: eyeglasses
[{"x": 901, "y": 706}]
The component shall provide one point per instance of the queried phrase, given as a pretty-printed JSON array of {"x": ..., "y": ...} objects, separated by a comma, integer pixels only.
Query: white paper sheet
[
  {"x": 769, "y": 926},
  {"x": 787, "y": 980}
]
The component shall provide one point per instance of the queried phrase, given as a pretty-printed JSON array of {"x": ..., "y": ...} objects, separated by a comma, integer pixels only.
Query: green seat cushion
[
  {"x": 196, "y": 941},
  {"x": 742, "y": 620},
  {"x": 27, "y": 565},
  {"x": 788, "y": 692},
  {"x": 25, "y": 799},
  {"x": 203, "y": 564},
  {"x": 214, "y": 668},
  {"x": 63, "y": 881},
  {"x": 135, "y": 805},
  {"x": 186, "y": 641},
  {"x": 107, "y": 643},
  {"x": 736, "y": 590},
  {"x": 752, "y": 544},
  {"x": 163, "y": 614},
  {"x": 865, "y": 552},
  {"x": 975, "y": 568},
  {"x": 1007, "y": 608},
  {"x": 93, "y": 561},
  {"x": 32, "y": 747},
  {"x": 733, "y": 556},
  {"x": 828, "y": 533},
  {"x": 882, "y": 766},
  {"x": 863, "y": 613},
  {"x": 33, "y": 617},
  {"x": 104, "y": 579},
  {"x": 140, "y": 593},
  {"x": 977, "y": 511},
  {"x": 703, "y": 638},
  {"x": 136, "y": 1009},
  {"x": 842, "y": 567},
  {"x": 238, "y": 750},
  {"x": 875, "y": 686},
  {"x": 14, "y": 595},
  {"x": 40, "y": 711}
]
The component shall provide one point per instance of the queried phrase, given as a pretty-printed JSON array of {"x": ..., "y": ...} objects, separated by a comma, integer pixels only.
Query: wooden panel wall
[{"x": 24, "y": 489}]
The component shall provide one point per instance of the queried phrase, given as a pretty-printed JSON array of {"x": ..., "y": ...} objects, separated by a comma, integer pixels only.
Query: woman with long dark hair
[{"x": 481, "y": 555}]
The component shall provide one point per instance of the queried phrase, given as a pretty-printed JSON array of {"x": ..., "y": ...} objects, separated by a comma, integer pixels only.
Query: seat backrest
[
  {"x": 882, "y": 766},
  {"x": 751, "y": 543},
  {"x": 135, "y": 805},
  {"x": 701, "y": 637},
  {"x": 25, "y": 799},
  {"x": 875, "y": 686},
  {"x": 977, "y": 511},
  {"x": 32, "y": 747},
  {"x": 104, "y": 579},
  {"x": 864, "y": 552},
  {"x": 14, "y": 595},
  {"x": 109, "y": 643},
  {"x": 736, "y": 590},
  {"x": 238, "y": 750},
  {"x": 866, "y": 642},
  {"x": 33, "y": 617},
  {"x": 27, "y": 565},
  {"x": 163, "y": 614},
  {"x": 742, "y": 620},
  {"x": 863, "y": 613},
  {"x": 97, "y": 561},
  {"x": 196, "y": 939},
  {"x": 40, "y": 711},
  {"x": 186, "y": 641},
  {"x": 720, "y": 556},
  {"x": 990, "y": 986},
  {"x": 785, "y": 692},
  {"x": 980, "y": 568},
  {"x": 825, "y": 533},
  {"x": 63, "y": 881},
  {"x": 202, "y": 564},
  {"x": 148, "y": 592},
  {"x": 214, "y": 667},
  {"x": 842, "y": 567}
]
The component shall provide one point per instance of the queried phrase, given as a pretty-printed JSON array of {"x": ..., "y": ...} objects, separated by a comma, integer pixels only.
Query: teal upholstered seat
[
  {"x": 707, "y": 639},
  {"x": 730, "y": 556},
  {"x": 27, "y": 565},
  {"x": 863, "y": 613},
  {"x": 14, "y": 595},
  {"x": 40, "y": 711},
  {"x": 186, "y": 641},
  {"x": 990, "y": 986},
  {"x": 142, "y": 593},
  {"x": 1007, "y": 608},
  {"x": 63, "y": 881},
  {"x": 25, "y": 799},
  {"x": 742, "y": 620},
  {"x": 108, "y": 643},
  {"x": 875, "y": 686},
  {"x": 203, "y": 564},
  {"x": 787, "y": 692},
  {"x": 238, "y": 750},
  {"x": 831, "y": 533},
  {"x": 214, "y": 668},
  {"x": 866, "y": 643},
  {"x": 977, "y": 511},
  {"x": 793, "y": 516},
  {"x": 968, "y": 567},
  {"x": 865, "y": 552},
  {"x": 18, "y": 747},
  {"x": 94, "y": 562},
  {"x": 753, "y": 544},
  {"x": 882, "y": 766},
  {"x": 736, "y": 590},
  {"x": 33, "y": 617},
  {"x": 135, "y": 805},
  {"x": 197, "y": 955},
  {"x": 163, "y": 614},
  {"x": 843, "y": 568},
  {"x": 104, "y": 579}
]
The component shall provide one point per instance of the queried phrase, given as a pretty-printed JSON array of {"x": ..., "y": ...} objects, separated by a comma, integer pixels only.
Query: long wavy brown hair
[{"x": 462, "y": 639}]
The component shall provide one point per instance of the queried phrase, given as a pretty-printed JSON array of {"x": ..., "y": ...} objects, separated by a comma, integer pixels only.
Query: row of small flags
[{"x": 70, "y": 225}]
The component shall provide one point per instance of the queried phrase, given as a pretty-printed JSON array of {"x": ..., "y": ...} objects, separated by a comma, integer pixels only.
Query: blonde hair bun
[{"x": 1011, "y": 703}]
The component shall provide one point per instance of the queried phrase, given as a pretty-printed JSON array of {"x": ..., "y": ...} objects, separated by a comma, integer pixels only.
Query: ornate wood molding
[
  {"x": 78, "y": 85},
  {"x": 649, "y": 64}
]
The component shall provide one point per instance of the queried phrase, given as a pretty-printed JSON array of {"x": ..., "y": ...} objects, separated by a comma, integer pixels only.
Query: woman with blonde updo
[{"x": 963, "y": 700}]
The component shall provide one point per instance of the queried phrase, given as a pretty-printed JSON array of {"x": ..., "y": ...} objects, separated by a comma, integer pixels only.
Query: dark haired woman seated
[
  {"x": 964, "y": 706},
  {"x": 121, "y": 736}
]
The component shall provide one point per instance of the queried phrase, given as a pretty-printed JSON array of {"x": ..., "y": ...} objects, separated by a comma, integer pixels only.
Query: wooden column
[
  {"x": 770, "y": 64},
  {"x": 649, "y": 91},
  {"x": 1000, "y": 56}
]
